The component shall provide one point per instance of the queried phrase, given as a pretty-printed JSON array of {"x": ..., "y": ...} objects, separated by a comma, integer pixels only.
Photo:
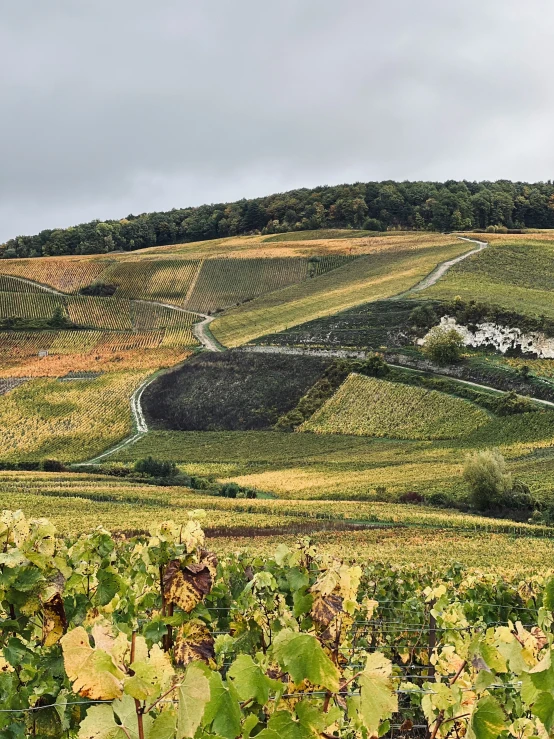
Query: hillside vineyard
[{"x": 264, "y": 474}]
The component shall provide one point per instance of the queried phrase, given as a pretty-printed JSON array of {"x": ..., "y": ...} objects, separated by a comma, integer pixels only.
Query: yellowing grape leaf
[
  {"x": 54, "y": 622},
  {"x": 193, "y": 642},
  {"x": 194, "y": 694},
  {"x": 151, "y": 677},
  {"x": 187, "y": 585},
  {"x": 378, "y": 700},
  {"x": 487, "y": 720},
  {"x": 93, "y": 672},
  {"x": 325, "y": 608}
]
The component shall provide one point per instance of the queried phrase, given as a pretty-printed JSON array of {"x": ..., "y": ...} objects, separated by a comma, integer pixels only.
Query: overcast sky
[{"x": 110, "y": 107}]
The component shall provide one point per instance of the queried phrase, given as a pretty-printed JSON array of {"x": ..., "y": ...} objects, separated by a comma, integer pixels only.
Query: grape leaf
[
  {"x": 223, "y": 709},
  {"x": 250, "y": 680},
  {"x": 152, "y": 675},
  {"x": 93, "y": 672},
  {"x": 543, "y": 708},
  {"x": 187, "y": 585},
  {"x": 283, "y": 725},
  {"x": 194, "y": 694},
  {"x": 325, "y": 608},
  {"x": 487, "y": 719},
  {"x": 194, "y": 641},
  {"x": 163, "y": 726},
  {"x": 377, "y": 698},
  {"x": 548, "y": 595},
  {"x": 100, "y": 722},
  {"x": 54, "y": 622},
  {"x": 304, "y": 659},
  {"x": 311, "y": 715},
  {"x": 108, "y": 585}
]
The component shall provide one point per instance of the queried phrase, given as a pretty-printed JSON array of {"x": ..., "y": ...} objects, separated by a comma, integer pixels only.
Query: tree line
[{"x": 372, "y": 206}]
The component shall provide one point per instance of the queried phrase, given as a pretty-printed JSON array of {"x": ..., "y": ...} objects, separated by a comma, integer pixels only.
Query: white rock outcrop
[{"x": 501, "y": 338}]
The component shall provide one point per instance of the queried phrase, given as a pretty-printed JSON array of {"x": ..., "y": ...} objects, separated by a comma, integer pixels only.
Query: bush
[
  {"x": 511, "y": 403},
  {"x": 372, "y": 224},
  {"x": 411, "y": 497},
  {"x": 443, "y": 345},
  {"x": 423, "y": 316},
  {"x": 155, "y": 467},
  {"x": 58, "y": 319},
  {"x": 52, "y": 465},
  {"x": 99, "y": 289},
  {"x": 375, "y": 366},
  {"x": 489, "y": 481},
  {"x": 230, "y": 490}
]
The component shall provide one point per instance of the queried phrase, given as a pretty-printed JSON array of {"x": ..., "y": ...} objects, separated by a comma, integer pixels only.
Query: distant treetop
[{"x": 374, "y": 206}]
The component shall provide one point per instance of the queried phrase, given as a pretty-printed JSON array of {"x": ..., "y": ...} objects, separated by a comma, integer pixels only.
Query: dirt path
[{"x": 434, "y": 276}]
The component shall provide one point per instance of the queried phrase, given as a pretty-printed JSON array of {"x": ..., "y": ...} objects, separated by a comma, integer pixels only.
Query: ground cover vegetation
[
  {"x": 232, "y": 390},
  {"x": 371, "y": 207}
]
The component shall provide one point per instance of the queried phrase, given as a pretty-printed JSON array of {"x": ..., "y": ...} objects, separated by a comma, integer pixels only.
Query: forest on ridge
[{"x": 371, "y": 206}]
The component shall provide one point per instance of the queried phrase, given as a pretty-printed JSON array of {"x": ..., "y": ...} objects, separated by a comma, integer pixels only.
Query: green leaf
[
  {"x": 250, "y": 723},
  {"x": 543, "y": 708},
  {"x": 304, "y": 659},
  {"x": 302, "y": 602},
  {"x": 100, "y": 724},
  {"x": 285, "y": 727},
  {"x": 223, "y": 709},
  {"x": 27, "y": 578},
  {"x": 194, "y": 694},
  {"x": 108, "y": 585},
  {"x": 378, "y": 700},
  {"x": 163, "y": 726},
  {"x": 250, "y": 681},
  {"x": 297, "y": 578},
  {"x": 548, "y": 595},
  {"x": 310, "y": 714},
  {"x": 488, "y": 719}
]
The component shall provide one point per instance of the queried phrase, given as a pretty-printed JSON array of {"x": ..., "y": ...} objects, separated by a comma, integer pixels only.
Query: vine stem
[
  {"x": 167, "y": 692},
  {"x": 138, "y": 707}
]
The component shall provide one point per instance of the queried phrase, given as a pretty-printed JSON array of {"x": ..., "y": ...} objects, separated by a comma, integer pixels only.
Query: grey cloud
[{"x": 113, "y": 106}]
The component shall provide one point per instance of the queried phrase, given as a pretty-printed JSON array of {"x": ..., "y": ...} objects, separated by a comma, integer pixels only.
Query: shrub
[
  {"x": 372, "y": 224},
  {"x": 58, "y": 319},
  {"x": 155, "y": 467},
  {"x": 52, "y": 465},
  {"x": 423, "y": 316},
  {"x": 411, "y": 497},
  {"x": 443, "y": 345},
  {"x": 511, "y": 403},
  {"x": 230, "y": 490},
  {"x": 488, "y": 478},
  {"x": 99, "y": 289},
  {"x": 375, "y": 366}
]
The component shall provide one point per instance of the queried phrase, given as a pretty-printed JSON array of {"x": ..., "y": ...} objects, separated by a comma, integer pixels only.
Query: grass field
[
  {"x": 366, "y": 406},
  {"x": 368, "y": 278}
]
